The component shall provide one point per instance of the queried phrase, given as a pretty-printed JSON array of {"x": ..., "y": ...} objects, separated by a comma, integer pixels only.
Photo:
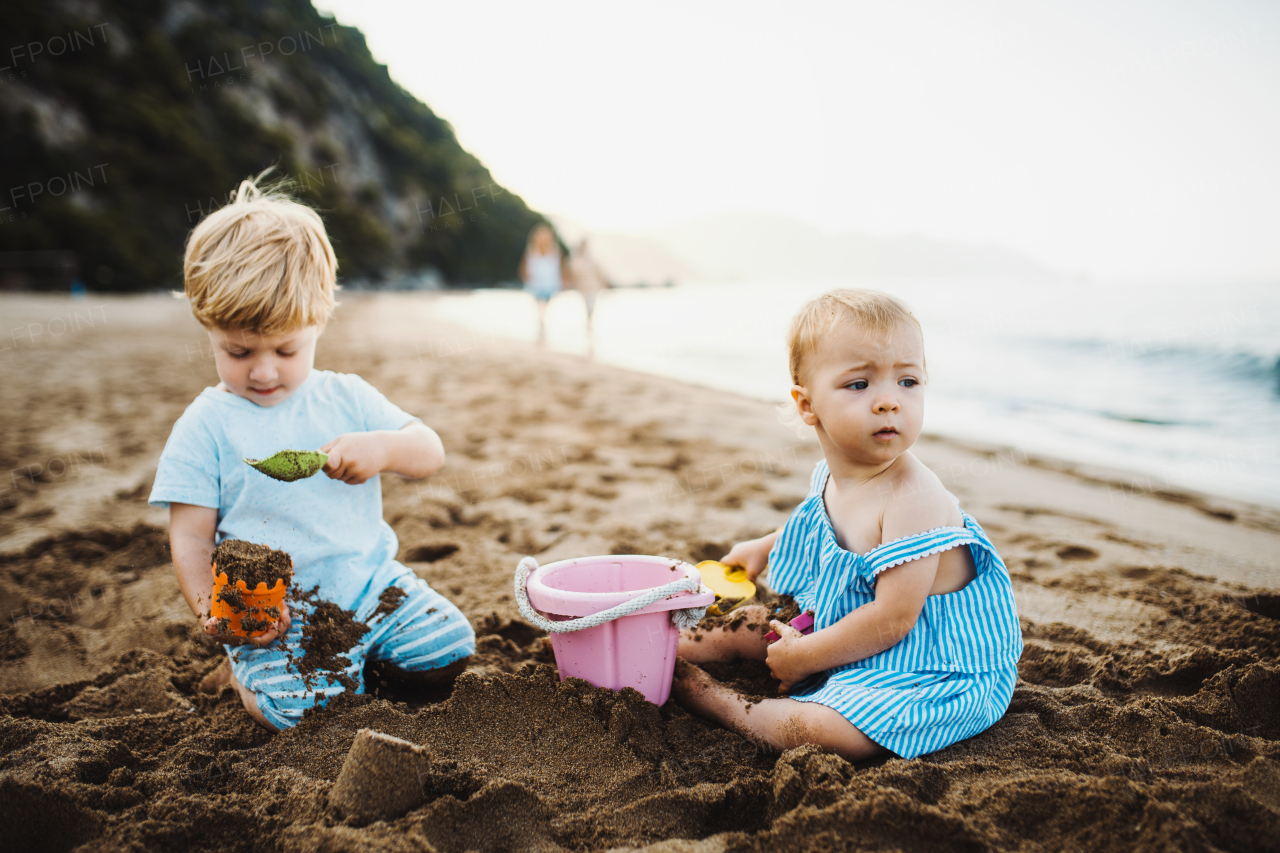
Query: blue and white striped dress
[{"x": 951, "y": 677}]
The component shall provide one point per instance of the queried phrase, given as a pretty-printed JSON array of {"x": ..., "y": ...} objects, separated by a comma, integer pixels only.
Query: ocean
[{"x": 1177, "y": 384}]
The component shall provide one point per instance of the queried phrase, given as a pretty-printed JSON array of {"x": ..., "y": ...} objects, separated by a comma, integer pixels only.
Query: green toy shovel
[{"x": 290, "y": 465}]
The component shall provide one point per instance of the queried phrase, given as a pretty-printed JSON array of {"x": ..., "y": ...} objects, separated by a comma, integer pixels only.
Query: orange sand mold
[{"x": 256, "y": 604}]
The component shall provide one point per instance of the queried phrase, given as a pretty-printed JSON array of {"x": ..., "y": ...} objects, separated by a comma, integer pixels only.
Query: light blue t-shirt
[{"x": 333, "y": 531}]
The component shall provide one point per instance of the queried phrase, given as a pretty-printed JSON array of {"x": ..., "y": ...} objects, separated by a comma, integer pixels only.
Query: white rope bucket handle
[{"x": 687, "y": 617}]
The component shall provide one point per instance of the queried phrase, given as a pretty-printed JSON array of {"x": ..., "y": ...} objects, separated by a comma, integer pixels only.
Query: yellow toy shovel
[{"x": 729, "y": 583}]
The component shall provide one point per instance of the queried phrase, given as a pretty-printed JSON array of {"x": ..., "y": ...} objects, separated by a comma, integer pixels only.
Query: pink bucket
[{"x": 638, "y": 650}]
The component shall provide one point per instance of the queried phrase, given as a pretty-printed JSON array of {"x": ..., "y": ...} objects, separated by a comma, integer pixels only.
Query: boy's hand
[
  {"x": 752, "y": 555},
  {"x": 280, "y": 627},
  {"x": 355, "y": 457},
  {"x": 785, "y": 657}
]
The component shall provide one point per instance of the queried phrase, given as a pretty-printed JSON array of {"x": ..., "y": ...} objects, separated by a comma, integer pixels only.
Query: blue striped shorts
[{"x": 425, "y": 632}]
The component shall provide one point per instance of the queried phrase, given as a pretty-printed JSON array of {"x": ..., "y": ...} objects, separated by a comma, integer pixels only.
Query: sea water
[{"x": 1177, "y": 384}]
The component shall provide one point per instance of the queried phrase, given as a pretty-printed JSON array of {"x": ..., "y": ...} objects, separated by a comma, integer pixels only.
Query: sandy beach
[{"x": 1147, "y": 714}]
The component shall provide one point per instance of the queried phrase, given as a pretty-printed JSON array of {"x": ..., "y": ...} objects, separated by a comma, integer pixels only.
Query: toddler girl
[
  {"x": 916, "y": 640},
  {"x": 542, "y": 269}
]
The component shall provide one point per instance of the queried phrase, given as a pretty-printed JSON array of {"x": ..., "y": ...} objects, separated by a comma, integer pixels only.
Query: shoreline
[
  {"x": 1213, "y": 472},
  {"x": 459, "y": 340}
]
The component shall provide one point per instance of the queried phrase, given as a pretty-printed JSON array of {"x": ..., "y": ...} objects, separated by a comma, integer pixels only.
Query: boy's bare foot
[{"x": 213, "y": 682}]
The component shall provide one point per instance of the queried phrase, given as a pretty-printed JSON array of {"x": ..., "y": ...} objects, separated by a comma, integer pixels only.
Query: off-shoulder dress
[{"x": 951, "y": 677}]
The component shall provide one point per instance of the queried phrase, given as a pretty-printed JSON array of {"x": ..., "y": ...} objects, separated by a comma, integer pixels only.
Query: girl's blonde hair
[
  {"x": 263, "y": 262},
  {"x": 869, "y": 310}
]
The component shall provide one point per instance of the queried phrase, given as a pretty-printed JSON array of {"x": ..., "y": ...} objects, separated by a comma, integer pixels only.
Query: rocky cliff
[{"x": 122, "y": 124}]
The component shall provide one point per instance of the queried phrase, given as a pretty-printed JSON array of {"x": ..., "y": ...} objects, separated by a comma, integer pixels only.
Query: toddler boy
[{"x": 260, "y": 276}]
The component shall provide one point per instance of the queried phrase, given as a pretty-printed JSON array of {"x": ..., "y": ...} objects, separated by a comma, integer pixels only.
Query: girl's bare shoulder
[{"x": 917, "y": 501}]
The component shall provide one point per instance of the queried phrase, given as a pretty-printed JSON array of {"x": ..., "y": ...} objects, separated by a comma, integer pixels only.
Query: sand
[
  {"x": 1147, "y": 715},
  {"x": 256, "y": 565}
]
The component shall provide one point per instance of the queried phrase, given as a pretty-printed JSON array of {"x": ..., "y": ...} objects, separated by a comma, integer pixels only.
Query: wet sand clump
[
  {"x": 329, "y": 633},
  {"x": 253, "y": 564},
  {"x": 251, "y": 623},
  {"x": 751, "y": 678},
  {"x": 389, "y": 600},
  {"x": 231, "y": 596}
]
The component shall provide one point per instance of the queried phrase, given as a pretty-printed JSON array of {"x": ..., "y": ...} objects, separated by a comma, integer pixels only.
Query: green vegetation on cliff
[{"x": 123, "y": 123}]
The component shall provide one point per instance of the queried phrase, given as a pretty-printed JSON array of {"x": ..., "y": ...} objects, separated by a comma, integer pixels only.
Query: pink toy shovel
[{"x": 802, "y": 623}]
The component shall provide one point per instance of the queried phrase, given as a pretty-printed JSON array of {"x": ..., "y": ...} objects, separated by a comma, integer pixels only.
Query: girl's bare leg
[
  {"x": 542, "y": 320},
  {"x": 781, "y": 723},
  {"x": 701, "y": 645}
]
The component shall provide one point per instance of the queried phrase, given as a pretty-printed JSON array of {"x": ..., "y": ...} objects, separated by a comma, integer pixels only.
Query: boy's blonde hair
[
  {"x": 263, "y": 262},
  {"x": 869, "y": 310}
]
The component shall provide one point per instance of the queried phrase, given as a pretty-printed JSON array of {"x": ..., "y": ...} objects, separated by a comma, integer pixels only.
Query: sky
[{"x": 1120, "y": 139}]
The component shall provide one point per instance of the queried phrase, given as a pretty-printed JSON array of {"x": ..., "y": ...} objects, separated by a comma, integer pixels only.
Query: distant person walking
[
  {"x": 543, "y": 271},
  {"x": 587, "y": 278}
]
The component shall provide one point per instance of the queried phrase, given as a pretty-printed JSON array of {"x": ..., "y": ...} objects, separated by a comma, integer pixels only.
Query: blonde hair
[
  {"x": 869, "y": 310},
  {"x": 262, "y": 262}
]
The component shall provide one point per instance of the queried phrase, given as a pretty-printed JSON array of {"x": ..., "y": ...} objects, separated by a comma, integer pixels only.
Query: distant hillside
[
  {"x": 123, "y": 123},
  {"x": 777, "y": 248}
]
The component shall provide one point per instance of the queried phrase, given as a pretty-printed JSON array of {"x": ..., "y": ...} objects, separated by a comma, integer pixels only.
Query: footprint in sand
[
  {"x": 524, "y": 495},
  {"x": 431, "y": 553},
  {"x": 1267, "y": 606}
]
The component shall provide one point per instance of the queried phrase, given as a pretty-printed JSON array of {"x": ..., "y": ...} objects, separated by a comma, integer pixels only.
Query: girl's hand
[
  {"x": 355, "y": 457},
  {"x": 752, "y": 555},
  {"x": 785, "y": 657},
  {"x": 280, "y": 627}
]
